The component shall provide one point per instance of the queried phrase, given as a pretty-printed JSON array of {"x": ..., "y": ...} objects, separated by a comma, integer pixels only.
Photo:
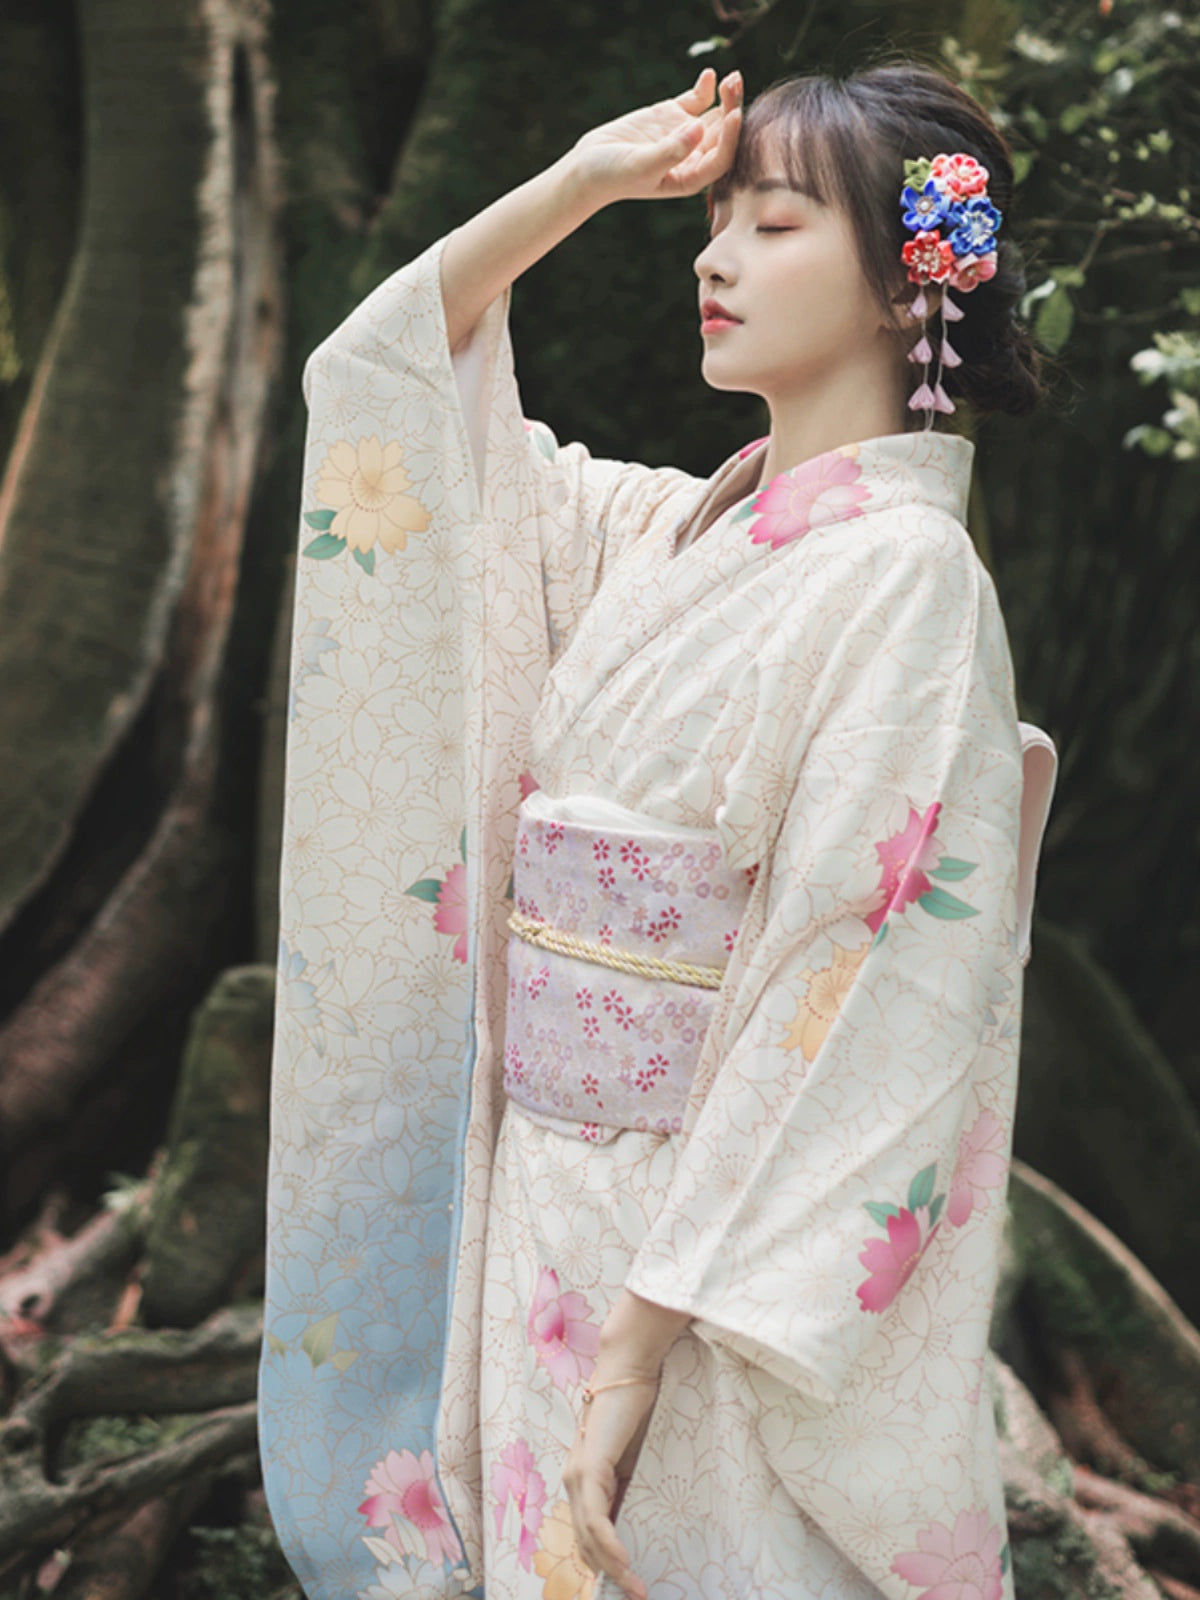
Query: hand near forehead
[{"x": 672, "y": 148}]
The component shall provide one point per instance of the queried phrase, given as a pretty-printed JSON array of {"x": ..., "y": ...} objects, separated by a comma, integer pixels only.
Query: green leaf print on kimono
[
  {"x": 825, "y": 489},
  {"x": 981, "y": 1165},
  {"x": 362, "y": 486},
  {"x": 449, "y": 894},
  {"x": 909, "y": 859}
]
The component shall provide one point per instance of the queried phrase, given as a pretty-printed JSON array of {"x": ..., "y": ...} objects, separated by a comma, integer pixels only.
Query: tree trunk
[{"x": 119, "y": 860}]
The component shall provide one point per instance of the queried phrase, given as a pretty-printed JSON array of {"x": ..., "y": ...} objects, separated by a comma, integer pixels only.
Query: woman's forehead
[{"x": 774, "y": 157}]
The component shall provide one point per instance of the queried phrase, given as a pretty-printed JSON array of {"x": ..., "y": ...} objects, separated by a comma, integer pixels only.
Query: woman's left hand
[
  {"x": 634, "y": 1342},
  {"x": 598, "y": 1471}
]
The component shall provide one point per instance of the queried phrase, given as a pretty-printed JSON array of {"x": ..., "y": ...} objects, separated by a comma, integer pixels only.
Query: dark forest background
[{"x": 192, "y": 194}]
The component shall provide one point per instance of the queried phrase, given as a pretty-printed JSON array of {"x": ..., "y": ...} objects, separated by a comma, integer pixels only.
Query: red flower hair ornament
[{"x": 944, "y": 202}]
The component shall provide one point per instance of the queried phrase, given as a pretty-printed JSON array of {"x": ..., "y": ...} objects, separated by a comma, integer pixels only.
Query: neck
[{"x": 843, "y": 407}]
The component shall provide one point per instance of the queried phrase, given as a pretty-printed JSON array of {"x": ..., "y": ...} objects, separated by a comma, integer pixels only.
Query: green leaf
[
  {"x": 508, "y": 893},
  {"x": 750, "y": 509},
  {"x": 366, "y": 560},
  {"x": 935, "y": 1208},
  {"x": 1154, "y": 441},
  {"x": 951, "y": 868},
  {"x": 544, "y": 440},
  {"x": 948, "y": 906},
  {"x": 276, "y": 1345},
  {"x": 920, "y": 1190},
  {"x": 1072, "y": 118},
  {"x": 324, "y": 546},
  {"x": 880, "y": 934},
  {"x": 917, "y": 172},
  {"x": 462, "y": 844},
  {"x": 426, "y": 889},
  {"x": 1069, "y": 277},
  {"x": 317, "y": 1339},
  {"x": 1022, "y": 162},
  {"x": 322, "y": 521},
  {"x": 1054, "y": 319},
  {"x": 880, "y": 1211},
  {"x": 1004, "y": 1558},
  {"x": 344, "y": 1358}
]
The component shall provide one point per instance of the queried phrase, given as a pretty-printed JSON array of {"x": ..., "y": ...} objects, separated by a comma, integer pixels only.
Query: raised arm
[{"x": 674, "y": 147}]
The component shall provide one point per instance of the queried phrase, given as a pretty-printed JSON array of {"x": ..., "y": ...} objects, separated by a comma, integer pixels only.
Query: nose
[{"x": 712, "y": 264}]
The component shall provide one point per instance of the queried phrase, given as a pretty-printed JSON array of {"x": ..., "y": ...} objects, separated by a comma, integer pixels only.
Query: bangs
[{"x": 799, "y": 130}]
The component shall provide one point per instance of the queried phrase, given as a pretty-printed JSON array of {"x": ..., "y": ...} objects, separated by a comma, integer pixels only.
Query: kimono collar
[{"x": 924, "y": 468}]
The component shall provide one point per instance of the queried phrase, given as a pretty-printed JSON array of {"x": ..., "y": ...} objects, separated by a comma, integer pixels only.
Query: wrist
[
  {"x": 636, "y": 1336},
  {"x": 580, "y": 184}
]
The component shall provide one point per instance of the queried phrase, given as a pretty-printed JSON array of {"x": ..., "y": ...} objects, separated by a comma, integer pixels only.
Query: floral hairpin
[{"x": 947, "y": 192}]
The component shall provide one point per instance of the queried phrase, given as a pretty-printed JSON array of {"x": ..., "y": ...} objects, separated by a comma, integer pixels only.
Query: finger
[
  {"x": 699, "y": 94},
  {"x": 703, "y": 166},
  {"x": 598, "y": 1542}
]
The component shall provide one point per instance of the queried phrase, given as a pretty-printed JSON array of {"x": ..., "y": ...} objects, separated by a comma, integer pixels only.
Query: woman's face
[{"x": 787, "y": 267}]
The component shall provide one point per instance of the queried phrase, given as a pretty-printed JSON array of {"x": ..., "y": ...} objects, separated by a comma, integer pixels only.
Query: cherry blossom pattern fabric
[
  {"x": 833, "y": 698},
  {"x": 593, "y": 1049}
]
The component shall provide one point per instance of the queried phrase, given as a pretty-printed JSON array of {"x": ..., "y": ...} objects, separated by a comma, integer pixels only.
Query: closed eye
[{"x": 776, "y": 230}]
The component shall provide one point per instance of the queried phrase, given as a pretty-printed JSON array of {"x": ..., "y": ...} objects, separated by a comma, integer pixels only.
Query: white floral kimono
[{"x": 822, "y": 680}]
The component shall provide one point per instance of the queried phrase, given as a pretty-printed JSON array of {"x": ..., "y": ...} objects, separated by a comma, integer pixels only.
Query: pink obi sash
[{"x": 590, "y": 1048}]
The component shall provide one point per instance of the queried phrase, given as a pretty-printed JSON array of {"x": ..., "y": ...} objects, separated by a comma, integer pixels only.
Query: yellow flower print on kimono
[{"x": 364, "y": 504}]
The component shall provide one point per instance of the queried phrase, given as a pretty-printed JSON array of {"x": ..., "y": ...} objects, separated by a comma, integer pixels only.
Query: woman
[{"x": 657, "y": 875}]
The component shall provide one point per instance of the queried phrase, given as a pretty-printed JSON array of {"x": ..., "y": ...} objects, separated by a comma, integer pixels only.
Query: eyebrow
[{"x": 771, "y": 185}]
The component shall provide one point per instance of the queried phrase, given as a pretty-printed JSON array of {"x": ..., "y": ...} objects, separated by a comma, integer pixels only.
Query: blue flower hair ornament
[{"x": 944, "y": 201}]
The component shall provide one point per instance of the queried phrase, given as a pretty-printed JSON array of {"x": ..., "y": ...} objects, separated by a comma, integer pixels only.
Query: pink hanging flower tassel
[
  {"x": 950, "y": 309},
  {"x": 918, "y": 307},
  {"x": 920, "y": 398},
  {"x": 921, "y": 351},
  {"x": 950, "y": 357},
  {"x": 940, "y": 400}
]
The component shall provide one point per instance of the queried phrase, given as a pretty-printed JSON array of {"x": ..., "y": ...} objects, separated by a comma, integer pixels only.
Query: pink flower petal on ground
[{"x": 825, "y": 489}]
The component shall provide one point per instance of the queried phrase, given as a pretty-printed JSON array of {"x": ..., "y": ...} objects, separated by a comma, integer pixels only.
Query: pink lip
[{"x": 716, "y": 324}]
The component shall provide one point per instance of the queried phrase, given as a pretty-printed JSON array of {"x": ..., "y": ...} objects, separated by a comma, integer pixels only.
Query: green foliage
[
  {"x": 242, "y": 1563},
  {"x": 109, "y": 1438},
  {"x": 1098, "y": 102},
  {"x": 1175, "y": 358}
]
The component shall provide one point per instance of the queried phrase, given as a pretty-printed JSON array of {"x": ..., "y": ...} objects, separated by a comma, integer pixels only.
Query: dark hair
[{"x": 846, "y": 141}]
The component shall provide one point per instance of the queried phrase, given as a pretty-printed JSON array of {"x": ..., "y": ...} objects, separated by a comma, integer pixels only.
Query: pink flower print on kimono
[
  {"x": 449, "y": 895},
  {"x": 565, "y": 1340},
  {"x": 909, "y": 859},
  {"x": 516, "y": 1482},
  {"x": 910, "y": 1230},
  {"x": 825, "y": 489},
  {"x": 362, "y": 490},
  {"x": 982, "y": 1165},
  {"x": 403, "y": 1497},
  {"x": 966, "y": 1562}
]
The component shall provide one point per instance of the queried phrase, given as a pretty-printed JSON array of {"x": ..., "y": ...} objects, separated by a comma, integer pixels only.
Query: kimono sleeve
[
  {"x": 556, "y": 504},
  {"x": 857, "y": 1127}
]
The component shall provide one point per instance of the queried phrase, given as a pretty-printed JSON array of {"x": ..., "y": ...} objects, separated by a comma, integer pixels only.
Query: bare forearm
[
  {"x": 636, "y": 1336},
  {"x": 483, "y": 256}
]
